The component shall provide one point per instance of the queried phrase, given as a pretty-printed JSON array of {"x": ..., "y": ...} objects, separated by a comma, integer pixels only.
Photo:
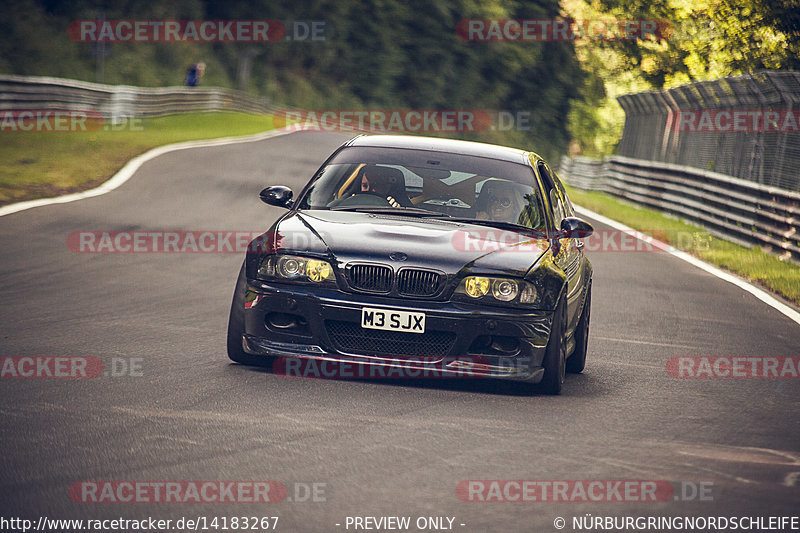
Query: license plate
[{"x": 391, "y": 320}]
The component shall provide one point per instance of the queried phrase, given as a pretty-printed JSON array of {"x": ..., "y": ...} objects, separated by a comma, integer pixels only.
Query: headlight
[
  {"x": 295, "y": 268},
  {"x": 505, "y": 290},
  {"x": 290, "y": 267},
  {"x": 317, "y": 270},
  {"x": 476, "y": 287},
  {"x": 497, "y": 290}
]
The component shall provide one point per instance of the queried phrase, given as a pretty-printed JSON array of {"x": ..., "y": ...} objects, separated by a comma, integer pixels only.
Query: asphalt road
[{"x": 375, "y": 448}]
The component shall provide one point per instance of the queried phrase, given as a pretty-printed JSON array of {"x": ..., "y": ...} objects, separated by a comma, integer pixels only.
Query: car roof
[{"x": 451, "y": 146}]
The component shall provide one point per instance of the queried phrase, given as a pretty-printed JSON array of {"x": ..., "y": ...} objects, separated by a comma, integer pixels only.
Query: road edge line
[
  {"x": 130, "y": 168},
  {"x": 699, "y": 263}
]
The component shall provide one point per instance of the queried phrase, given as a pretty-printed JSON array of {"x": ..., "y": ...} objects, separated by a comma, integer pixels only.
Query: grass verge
[
  {"x": 764, "y": 269},
  {"x": 46, "y": 164}
]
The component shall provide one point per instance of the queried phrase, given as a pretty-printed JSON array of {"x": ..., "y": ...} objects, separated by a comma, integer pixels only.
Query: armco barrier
[
  {"x": 744, "y": 126},
  {"x": 113, "y": 101},
  {"x": 732, "y": 208}
]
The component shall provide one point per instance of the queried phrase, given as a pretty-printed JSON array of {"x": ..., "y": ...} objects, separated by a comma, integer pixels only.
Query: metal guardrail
[
  {"x": 116, "y": 101},
  {"x": 731, "y": 208},
  {"x": 655, "y": 128}
]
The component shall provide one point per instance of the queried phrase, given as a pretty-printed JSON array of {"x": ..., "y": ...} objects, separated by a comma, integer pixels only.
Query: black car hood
[{"x": 347, "y": 236}]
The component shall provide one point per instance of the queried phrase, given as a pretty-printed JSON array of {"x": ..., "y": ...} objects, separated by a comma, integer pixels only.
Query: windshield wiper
[
  {"x": 502, "y": 225},
  {"x": 410, "y": 211}
]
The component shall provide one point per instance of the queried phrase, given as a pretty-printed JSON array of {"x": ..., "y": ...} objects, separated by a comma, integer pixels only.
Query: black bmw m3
[{"x": 454, "y": 257}]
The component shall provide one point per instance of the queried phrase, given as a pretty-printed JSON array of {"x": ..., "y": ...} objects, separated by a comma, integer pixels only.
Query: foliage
[
  {"x": 393, "y": 54},
  {"x": 701, "y": 40},
  {"x": 377, "y": 54}
]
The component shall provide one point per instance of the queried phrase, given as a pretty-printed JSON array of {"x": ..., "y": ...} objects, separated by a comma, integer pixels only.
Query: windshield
[{"x": 420, "y": 183}]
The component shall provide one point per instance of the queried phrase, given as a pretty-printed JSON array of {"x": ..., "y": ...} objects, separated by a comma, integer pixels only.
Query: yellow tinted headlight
[
  {"x": 495, "y": 291},
  {"x": 296, "y": 268},
  {"x": 317, "y": 270},
  {"x": 476, "y": 287}
]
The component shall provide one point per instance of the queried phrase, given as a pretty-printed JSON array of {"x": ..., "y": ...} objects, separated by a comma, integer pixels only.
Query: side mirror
[
  {"x": 573, "y": 227},
  {"x": 277, "y": 195}
]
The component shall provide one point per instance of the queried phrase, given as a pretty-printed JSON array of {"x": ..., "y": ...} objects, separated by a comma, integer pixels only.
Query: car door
[{"x": 570, "y": 256}]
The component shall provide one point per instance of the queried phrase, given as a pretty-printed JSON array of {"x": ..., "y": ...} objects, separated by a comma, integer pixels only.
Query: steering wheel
[{"x": 361, "y": 200}]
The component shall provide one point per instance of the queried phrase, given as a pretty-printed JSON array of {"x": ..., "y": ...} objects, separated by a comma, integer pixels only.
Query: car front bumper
[{"x": 324, "y": 326}]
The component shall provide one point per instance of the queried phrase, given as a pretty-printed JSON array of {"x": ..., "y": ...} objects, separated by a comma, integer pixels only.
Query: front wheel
[
  {"x": 577, "y": 361},
  {"x": 555, "y": 355},
  {"x": 236, "y": 327}
]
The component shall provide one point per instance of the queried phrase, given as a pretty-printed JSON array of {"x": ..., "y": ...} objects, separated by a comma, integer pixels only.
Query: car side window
[
  {"x": 556, "y": 202},
  {"x": 569, "y": 210}
]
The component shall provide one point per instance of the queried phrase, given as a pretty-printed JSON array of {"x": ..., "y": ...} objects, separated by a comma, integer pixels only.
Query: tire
[
  {"x": 555, "y": 356},
  {"x": 577, "y": 361},
  {"x": 236, "y": 327}
]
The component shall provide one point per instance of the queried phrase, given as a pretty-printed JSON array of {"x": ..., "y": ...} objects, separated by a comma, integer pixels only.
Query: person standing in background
[{"x": 194, "y": 74}]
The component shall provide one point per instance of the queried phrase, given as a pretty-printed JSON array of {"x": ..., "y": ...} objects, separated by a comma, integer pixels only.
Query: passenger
[{"x": 499, "y": 201}]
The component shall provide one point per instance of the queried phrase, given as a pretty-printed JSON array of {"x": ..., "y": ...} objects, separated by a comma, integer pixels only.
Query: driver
[{"x": 385, "y": 182}]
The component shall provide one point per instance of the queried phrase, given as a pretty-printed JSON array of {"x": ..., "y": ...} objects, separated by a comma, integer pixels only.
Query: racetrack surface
[{"x": 380, "y": 447}]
